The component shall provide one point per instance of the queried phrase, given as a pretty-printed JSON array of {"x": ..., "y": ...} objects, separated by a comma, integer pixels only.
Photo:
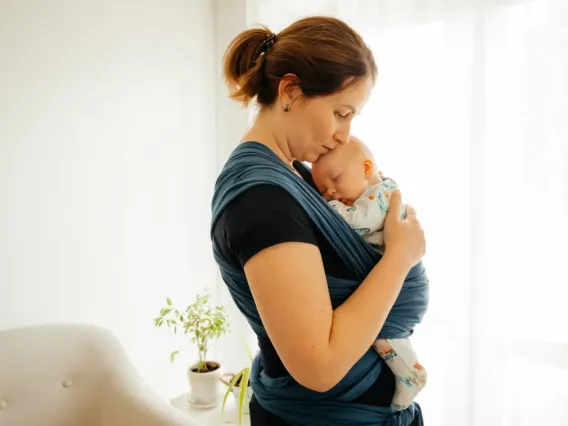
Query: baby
[{"x": 349, "y": 179}]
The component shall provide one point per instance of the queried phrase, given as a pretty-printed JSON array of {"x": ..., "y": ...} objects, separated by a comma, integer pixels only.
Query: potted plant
[
  {"x": 239, "y": 385},
  {"x": 202, "y": 323}
]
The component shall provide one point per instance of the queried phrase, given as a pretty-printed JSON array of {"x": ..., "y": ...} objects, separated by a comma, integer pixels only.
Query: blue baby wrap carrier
[{"x": 254, "y": 164}]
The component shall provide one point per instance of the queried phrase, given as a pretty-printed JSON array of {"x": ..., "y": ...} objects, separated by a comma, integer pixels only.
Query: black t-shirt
[{"x": 266, "y": 215}]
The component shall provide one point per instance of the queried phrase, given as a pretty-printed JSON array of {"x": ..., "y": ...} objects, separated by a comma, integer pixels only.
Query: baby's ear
[{"x": 369, "y": 166}]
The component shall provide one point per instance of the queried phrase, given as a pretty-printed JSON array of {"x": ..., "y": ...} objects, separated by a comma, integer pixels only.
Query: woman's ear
[{"x": 289, "y": 89}]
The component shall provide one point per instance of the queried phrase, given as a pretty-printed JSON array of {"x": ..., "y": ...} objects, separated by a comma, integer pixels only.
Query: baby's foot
[
  {"x": 410, "y": 375},
  {"x": 408, "y": 387}
]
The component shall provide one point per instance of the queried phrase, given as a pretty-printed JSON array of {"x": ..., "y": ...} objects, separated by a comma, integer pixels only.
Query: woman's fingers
[
  {"x": 395, "y": 201},
  {"x": 410, "y": 211}
]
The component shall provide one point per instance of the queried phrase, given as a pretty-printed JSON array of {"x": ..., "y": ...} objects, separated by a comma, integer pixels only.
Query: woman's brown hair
[{"x": 324, "y": 53}]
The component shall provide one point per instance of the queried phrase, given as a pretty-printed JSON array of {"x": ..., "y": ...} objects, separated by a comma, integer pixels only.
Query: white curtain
[{"x": 470, "y": 116}]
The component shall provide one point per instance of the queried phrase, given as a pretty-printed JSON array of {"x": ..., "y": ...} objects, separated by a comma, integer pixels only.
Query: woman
[{"x": 275, "y": 254}]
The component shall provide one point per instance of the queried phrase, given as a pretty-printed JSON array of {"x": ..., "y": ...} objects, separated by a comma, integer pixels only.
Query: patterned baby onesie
[{"x": 368, "y": 213}]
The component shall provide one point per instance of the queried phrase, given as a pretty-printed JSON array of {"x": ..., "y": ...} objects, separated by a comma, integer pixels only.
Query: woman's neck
[{"x": 265, "y": 131}]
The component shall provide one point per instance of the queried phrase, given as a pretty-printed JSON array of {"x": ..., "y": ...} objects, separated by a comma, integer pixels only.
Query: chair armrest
[
  {"x": 133, "y": 403},
  {"x": 127, "y": 400}
]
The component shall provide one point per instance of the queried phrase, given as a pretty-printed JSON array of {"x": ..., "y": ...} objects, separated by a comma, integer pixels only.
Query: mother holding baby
[{"x": 315, "y": 293}]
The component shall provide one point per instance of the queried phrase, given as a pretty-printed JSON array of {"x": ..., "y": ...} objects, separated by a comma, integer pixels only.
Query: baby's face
[{"x": 341, "y": 174}]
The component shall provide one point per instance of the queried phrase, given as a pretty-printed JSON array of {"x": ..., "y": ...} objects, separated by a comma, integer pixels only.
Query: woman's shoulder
[
  {"x": 259, "y": 200},
  {"x": 261, "y": 204},
  {"x": 251, "y": 165},
  {"x": 260, "y": 217},
  {"x": 268, "y": 195}
]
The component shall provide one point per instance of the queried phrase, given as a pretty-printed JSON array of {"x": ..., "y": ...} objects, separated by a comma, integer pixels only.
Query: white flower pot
[
  {"x": 236, "y": 394},
  {"x": 205, "y": 388}
]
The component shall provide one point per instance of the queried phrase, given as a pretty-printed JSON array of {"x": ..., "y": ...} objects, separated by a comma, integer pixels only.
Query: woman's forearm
[{"x": 357, "y": 322}]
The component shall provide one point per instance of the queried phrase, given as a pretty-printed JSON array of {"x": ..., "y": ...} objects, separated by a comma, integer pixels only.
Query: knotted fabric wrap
[{"x": 253, "y": 164}]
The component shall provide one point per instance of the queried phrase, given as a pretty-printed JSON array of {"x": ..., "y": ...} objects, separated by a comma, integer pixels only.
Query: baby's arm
[{"x": 368, "y": 212}]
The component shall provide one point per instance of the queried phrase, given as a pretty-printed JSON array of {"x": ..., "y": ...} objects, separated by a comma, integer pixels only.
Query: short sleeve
[{"x": 262, "y": 217}]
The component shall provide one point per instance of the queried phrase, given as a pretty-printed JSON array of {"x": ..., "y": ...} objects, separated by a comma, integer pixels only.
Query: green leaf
[
  {"x": 173, "y": 356},
  {"x": 199, "y": 321},
  {"x": 225, "y": 399},
  {"x": 229, "y": 389},
  {"x": 243, "y": 393}
]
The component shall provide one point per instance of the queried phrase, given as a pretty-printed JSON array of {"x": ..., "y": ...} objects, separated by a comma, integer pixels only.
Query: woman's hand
[{"x": 404, "y": 238}]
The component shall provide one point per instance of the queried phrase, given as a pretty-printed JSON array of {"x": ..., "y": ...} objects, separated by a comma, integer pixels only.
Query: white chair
[{"x": 75, "y": 375}]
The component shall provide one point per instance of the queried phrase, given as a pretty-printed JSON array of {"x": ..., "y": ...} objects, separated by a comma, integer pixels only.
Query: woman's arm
[{"x": 318, "y": 345}]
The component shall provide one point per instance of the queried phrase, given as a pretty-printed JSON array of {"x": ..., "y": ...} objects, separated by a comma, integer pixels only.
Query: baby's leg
[{"x": 403, "y": 362}]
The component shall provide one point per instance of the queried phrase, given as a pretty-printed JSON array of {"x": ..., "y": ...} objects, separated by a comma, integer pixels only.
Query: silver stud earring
[{"x": 287, "y": 107}]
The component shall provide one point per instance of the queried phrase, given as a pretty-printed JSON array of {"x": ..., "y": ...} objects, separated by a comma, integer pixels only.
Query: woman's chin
[{"x": 312, "y": 158}]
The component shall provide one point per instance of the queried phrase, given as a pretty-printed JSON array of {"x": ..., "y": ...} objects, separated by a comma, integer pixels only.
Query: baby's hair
[{"x": 361, "y": 147}]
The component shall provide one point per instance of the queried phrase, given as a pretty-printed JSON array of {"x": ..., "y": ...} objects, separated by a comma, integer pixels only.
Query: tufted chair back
[{"x": 74, "y": 375}]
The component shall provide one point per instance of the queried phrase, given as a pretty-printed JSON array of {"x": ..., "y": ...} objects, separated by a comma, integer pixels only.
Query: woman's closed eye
[{"x": 342, "y": 115}]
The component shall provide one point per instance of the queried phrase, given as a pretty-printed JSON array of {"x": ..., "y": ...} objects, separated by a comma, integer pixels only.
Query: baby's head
[{"x": 346, "y": 172}]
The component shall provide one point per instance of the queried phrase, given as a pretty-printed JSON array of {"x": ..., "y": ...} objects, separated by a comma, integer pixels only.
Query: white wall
[{"x": 107, "y": 163}]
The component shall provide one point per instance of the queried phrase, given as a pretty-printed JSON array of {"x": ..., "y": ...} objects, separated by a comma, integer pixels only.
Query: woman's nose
[
  {"x": 342, "y": 138},
  {"x": 342, "y": 134}
]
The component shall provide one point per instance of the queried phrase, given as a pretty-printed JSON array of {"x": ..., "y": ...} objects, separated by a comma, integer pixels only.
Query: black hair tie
[{"x": 267, "y": 43}]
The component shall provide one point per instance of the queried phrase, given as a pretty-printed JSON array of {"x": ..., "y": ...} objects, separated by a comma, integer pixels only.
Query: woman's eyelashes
[{"x": 342, "y": 115}]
